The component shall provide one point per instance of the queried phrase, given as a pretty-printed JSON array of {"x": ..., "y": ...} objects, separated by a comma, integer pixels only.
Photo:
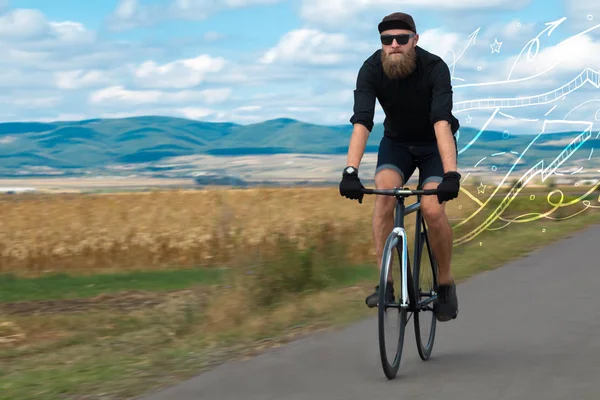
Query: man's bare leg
[
  {"x": 383, "y": 213},
  {"x": 440, "y": 238},
  {"x": 439, "y": 233},
  {"x": 383, "y": 216}
]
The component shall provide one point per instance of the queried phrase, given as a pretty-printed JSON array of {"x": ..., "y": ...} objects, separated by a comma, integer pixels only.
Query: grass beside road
[
  {"x": 65, "y": 286},
  {"x": 181, "y": 322}
]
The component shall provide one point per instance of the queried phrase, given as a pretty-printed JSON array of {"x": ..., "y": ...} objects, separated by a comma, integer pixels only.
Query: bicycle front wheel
[
  {"x": 392, "y": 318},
  {"x": 426, "y": 291}
]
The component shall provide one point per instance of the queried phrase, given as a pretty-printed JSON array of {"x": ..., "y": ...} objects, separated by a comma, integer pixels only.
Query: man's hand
[
  {"x": 350, "y": 186},
  {"x": 449, "y": 187}
]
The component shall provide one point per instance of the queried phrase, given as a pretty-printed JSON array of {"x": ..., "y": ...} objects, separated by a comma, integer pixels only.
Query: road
[{"x": 528, "y": 330}]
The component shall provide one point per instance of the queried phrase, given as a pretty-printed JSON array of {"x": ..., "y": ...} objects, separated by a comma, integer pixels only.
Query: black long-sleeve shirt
[{"x": 412, "y": 105}]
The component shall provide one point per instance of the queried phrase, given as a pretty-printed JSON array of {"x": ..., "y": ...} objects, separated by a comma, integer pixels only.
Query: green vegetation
[{"x": 66, "y": 286}]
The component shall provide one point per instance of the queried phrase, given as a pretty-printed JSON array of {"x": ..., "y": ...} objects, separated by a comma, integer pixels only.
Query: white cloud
[
  {"x": 203, "y": 8},
  {"x": 138, "y": 112},
  {"x": 36, "y": 102},
  {"x": 131, "y": 13},
  {"x": 442, "y": 43},
  {"x": 195, "y": 112},
  {"x": 32, "y": 100},
  {"x": 71, "y": 32},
  {"x": 213, "y": 96},
  {"x": 31, "y": 25},
  {"x": 178, "y": 74},
  {"x": 579, "y": 11},
  {"x": 126, "y": 9},
  {"x": 240, "y": 115},
  {"x": 23, "y": 58},
  {"x": 248, "y": 108},
  {"x": 77, "y": 79},
  {"x": 570, "y": 56},
  {"x": 246, "y": 3},
  {"x": 312, "y": 47},
  {"x": 303, "y": 109},
  {"x": 516, "y": 30},
  {"x": 339, "y": 12},
  {"x": 23, "y": 24},
  {"x": 118, "y": 96},
  {"x": 30, "y": 42},
  {"x": 303, "y": 100}
]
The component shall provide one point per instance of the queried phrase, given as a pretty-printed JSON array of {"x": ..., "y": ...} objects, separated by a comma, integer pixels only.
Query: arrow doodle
[
  {"x": 472, "y": 38},
  {"x": 551, "y": 26}
]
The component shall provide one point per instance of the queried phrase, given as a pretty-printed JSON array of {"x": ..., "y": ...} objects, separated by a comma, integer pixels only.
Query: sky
[{"x": 246, "y": 61}]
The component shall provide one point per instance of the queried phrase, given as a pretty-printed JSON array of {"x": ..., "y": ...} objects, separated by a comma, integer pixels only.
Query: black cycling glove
[
  {"x": 449, "y": 187},
  {"x": 350, "y": 185}
]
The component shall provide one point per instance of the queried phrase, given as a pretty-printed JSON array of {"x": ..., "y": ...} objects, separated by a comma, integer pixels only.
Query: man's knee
[
  {"x": 432, "y": 210},
  {"x": 386, "y": 178}
]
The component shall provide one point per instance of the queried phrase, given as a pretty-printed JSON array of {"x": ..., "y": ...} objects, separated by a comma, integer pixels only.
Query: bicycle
[{"x": 408, "y": 302}]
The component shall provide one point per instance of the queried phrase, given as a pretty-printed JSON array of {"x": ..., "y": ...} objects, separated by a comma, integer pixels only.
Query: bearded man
[{"x": 414, "y": 90}]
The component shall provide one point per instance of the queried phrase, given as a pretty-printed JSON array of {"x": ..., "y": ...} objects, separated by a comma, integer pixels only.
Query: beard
[{"x": 399, "y": 65}]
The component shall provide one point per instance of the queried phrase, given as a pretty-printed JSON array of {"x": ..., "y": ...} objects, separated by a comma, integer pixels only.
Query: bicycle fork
[{"x": 398, "y": 233}]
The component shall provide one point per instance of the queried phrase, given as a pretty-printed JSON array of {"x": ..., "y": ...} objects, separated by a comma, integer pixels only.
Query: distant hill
[{"x": 30, "y": 149}]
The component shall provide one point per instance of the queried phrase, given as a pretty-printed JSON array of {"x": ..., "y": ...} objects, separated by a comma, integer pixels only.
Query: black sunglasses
[{"x": 400, "y": 39}]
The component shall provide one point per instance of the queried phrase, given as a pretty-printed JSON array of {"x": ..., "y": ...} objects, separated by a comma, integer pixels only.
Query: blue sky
[{"x": 246, "y": 61}]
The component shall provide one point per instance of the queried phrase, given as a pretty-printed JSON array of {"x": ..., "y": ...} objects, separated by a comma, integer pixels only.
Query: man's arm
[
  {"x": 446, "y": 145},
  {"x": 364, "y": 111},
  {"x": 441, "y": 114},
  {"x": 358, "y": 143}
]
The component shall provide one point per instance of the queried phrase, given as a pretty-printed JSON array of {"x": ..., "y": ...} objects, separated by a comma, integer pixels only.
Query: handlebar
[{"x": 401, "y": 192}]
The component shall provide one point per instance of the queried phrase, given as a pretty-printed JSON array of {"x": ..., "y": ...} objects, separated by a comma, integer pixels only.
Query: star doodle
[
  {"x": 469, "y": 119},
  {"x": 481, "y": 188},
  {"x": 496, "y": 46}
]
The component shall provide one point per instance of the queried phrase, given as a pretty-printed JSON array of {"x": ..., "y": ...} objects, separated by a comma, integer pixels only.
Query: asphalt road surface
[{"x": 528, "y": 330}]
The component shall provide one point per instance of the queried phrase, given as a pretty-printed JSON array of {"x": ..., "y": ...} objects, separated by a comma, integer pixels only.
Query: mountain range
[{"x": 77, "y": 147}]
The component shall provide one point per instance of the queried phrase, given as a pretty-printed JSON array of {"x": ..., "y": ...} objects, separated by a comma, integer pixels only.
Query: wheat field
[
  {"x": 82, "y": 233},
  {"x": 89, "y": 233}
]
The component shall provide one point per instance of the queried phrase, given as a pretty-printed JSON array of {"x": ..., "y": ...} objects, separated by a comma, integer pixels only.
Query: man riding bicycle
[{"x": 414, "y": 89}]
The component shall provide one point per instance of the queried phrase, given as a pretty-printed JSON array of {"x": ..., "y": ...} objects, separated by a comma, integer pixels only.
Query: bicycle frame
[
  {"x": 399, "y": 232},
  {"x": 401, "y": 211}
]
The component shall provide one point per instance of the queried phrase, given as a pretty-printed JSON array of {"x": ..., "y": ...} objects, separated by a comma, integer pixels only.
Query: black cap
[{"x": 397, "y": 20}]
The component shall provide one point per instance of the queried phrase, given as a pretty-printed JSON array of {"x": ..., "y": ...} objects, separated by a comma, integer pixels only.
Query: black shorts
[{"x": 405, "y": 158}]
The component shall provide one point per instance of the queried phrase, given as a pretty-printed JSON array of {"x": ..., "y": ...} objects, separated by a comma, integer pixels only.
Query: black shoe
[
  {"x": 373, "y": 299},
  {"x": 446, "y": 306}
]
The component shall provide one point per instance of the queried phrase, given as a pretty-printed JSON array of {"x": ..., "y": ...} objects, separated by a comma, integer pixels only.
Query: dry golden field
[
  {"x": 89, "y": 233},
  {"x": 81, "y": 233}
]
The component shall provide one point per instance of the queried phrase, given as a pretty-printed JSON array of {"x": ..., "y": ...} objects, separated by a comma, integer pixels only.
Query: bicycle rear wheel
[
  {"x": 390, "y": 315},
  {"x": 425, "y": 283}
]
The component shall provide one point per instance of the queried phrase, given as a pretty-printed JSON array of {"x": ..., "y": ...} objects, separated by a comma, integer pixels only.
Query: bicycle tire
[
  {"x": 423, "y": 348},
  {"x": 393, "y": 243}
]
